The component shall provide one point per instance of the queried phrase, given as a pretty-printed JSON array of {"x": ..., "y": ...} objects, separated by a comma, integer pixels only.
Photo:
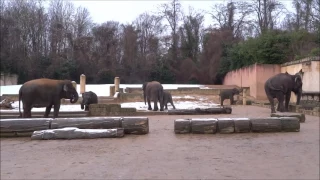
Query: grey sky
[{"x": 125, "y": 11}]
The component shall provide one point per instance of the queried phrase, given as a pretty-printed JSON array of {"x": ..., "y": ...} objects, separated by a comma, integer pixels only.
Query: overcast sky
[{"x": 125, "y": 11}]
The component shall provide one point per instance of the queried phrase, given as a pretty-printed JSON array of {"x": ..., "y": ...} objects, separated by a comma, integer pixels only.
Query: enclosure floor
[{"x": 163, "y": 155}]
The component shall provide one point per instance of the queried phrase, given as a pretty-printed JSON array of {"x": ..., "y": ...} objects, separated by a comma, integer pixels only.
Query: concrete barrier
[{"x": 236, "y": 125}]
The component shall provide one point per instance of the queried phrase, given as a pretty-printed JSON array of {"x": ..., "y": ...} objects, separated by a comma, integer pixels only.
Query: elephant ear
[{"x": 65, "y": 87}]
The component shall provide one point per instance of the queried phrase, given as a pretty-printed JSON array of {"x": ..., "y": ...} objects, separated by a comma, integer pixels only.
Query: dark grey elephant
[
  {"x": 228, "y": 94},
  {"x": 87, "y": 99},
  {"x": 45, "y": 93},
  {"x": 280, "y": 86},
  {"x": 167, "y": 98},
  {"x": 153, "y": 91}
]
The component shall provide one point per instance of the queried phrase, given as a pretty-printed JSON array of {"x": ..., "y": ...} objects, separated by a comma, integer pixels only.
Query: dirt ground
[{"x": 163, "y": 155}]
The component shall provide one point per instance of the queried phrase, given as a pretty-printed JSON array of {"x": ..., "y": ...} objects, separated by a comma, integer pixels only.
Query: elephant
[
  {"x": 167, "y": 98},
  {"x": 280, "y": 86},
  {"x": 45, "y": 93},
  {"x": 87, "y": 99},
  {"x": 153, "y": 91},
  {"x": 228, "y": 94}
]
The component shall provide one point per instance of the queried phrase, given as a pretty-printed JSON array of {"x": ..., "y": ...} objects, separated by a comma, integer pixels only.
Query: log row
[
  {"x": 236, "y": 125},
  {"x": 198, "y": 111},
  {"x": 20, "y": 127}
]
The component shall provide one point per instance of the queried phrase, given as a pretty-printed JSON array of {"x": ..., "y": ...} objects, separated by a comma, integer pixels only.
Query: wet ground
[{"x": 161, "y": 154}]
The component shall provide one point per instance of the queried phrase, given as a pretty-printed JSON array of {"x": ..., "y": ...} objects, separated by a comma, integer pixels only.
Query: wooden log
[
  {"x": 217, "y": 110},
  {"x": 87, "y": 122},
  {"x": 269, "y": 124},
  {"x": 203, "y": 125},
  {"x": 300, "y": 116},
  {"x": 182, "y": 126},
  {"x": 135, "y": 125},
  {"x": 24, "y": 125},
  {"x": 15, "y": 134},
  {"x": 225, "y": 125},
  {"x": 76, "y": 133},
  {"x": 242, "y": 125},
  {"x": 290, "y": 124}
]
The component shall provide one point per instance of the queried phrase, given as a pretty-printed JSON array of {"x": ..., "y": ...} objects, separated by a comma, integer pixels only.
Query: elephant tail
[{"x": 20, "y": 95}]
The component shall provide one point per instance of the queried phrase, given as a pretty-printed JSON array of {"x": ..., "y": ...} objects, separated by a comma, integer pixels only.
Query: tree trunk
[
  {"x": 87, "y": 122},
  {"x": 182, "y": 126},
  {"x": 24, "y": 125},
  {"x": 204, "y": 126},
  {"x": 300, "y": 116},
  {"x": 242, "y": 125},
  {"x": 76, "y": 133},
  {"x": 225, "y": 125},
  {"x": 290, "y": 124},
  {"x": 271, "y": 124},
  {"x": 218, "y": 110},
  {"x": 135, "y": 125}
]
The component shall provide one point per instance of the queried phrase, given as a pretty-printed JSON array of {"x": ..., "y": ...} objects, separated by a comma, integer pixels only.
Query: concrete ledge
[{"x": 236, "y": 125}]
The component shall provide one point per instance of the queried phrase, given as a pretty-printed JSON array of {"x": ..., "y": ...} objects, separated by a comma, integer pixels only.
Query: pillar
[
  {"x": 117, "y": 84},
  {"x": 244, "y": 96},
  {"x": 82, "y": 83}
]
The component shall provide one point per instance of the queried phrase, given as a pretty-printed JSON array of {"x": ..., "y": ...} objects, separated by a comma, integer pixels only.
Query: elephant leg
[
  {"x": 56, "y": 110},
  {"x": 48, "y": 109},
  {"x": 149, "y": 104},
  {"x": 287, "y": 100},
  {"x": 270, "y": 98},
  {"x": 86, "y": 108},
  {"x": 172, "y": 104},
  {"x": 155, "y": 106},
  {"x": 27, "y": 110},
  {"x": 231, "y": 100},
  {"x": 166, "y": 106},
  {"x": 280, "y": 98},
  {"x": 221, "y": 101}
]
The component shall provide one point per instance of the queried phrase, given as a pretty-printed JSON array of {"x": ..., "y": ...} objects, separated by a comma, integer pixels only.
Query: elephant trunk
[
  {"x": 75, "y": 98},
  {"x": 299, "y": 94}
]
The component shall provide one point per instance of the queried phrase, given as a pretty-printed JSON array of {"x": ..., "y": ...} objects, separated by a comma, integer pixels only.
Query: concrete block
[
  {"x": 203, "y": 125},
  {"x": 269, "y": 124},
  {"x": 242, "y": 125},
  {"x": 182, "y": 126},
  {"x": 225, "y": 125},
  {"x": 290, "y": 124}
]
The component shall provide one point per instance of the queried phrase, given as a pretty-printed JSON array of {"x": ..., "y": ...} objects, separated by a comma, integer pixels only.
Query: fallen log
[
  {"x": 300, "y": 116},
  {"x": 24, "y": 125},
  {"x": 76, "y": 133},
  {"x": 203, "y": 125},
  {"x": 242, "y": 125},
  {"x": 87, "y": 123},
  {"x": 269, "y": 124},
  {"x": 135, "y": 125},
  {"x": 225, "y": 125},
  {"x": 182, "y": 126},
  {"x": 196, "y": 111},
  {"x": 15, "y": 134},
  {"x": 290, "y": 124}
]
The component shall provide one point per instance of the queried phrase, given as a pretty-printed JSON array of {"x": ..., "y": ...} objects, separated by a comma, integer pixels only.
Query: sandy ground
[{"x": 163, "y": 155}]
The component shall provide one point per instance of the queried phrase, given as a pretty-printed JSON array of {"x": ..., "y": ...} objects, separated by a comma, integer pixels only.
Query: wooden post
[
  {"x": 117, "y": 84},
  {"x": 112, "y": 90},
  {"x": 244, "y": 96},
  {"x": 82, "y": 83}
]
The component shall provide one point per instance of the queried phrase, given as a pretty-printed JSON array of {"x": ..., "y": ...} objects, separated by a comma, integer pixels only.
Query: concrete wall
[
  {"x": 254, "y": 77},
  {"x": 311, "y": 74},
  {"x": 8, "y": 79}
]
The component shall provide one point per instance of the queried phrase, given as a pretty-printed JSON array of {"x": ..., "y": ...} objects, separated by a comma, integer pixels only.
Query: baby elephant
[
  {"x": 228, "y": 94},
  {"x": 167, "y": 98},
  {"x": 87, "y": 99}
]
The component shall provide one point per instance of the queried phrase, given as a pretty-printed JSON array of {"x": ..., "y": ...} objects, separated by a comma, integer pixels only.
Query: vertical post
[
  {"x": 82, "y": 83},
  {"x": 244, "y": 96},
  {"x": 117, "y": 84}
]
